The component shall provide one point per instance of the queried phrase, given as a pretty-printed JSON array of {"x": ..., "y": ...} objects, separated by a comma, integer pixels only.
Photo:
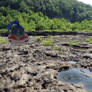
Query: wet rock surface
[
  {"x": 34, "y": 67},
  {"x": 77, "y": 76}
]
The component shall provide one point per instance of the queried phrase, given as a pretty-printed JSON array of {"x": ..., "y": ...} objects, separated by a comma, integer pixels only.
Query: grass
[
  {"x": 89, "y": 39},
  {"x": 3, "y": 30},
  {"x": 60, "y": 52},
  {"x": 47, "y": 42},
  {"x": 38, "y": 38},
  {"x": 88, "y": 91},
  {"x": 50, "y": 37},
  {"x": 56, "y": 48},
  {"x": 2, "y": 41},
  {"x": 72, "y": 43}
]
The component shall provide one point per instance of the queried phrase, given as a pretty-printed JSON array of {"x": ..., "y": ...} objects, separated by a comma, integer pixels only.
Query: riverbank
[{"x": 34, "y": 67}]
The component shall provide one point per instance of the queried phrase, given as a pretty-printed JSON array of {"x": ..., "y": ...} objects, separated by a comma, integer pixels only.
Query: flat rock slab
[{"x": 34, "y": 68}]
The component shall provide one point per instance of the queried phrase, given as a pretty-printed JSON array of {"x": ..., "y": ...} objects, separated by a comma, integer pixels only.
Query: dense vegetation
[{"x": 56, "y": 15}]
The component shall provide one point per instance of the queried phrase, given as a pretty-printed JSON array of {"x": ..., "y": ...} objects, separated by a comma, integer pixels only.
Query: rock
[
  {"x": 24, "y": 78},
  {"x": 39, "y": 55},
  {"x": 88, "y": 56},
  {"x": 5, "y": 49},
  {"x": 34, "y": 67},
  {"x": 31, "y": 70},
  {"x": 51, "y": 53}
]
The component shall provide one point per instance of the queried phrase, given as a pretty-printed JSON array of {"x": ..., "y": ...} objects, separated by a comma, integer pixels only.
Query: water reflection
[
  {"x": 72, "y": 62},
  {"x": 77, "y": 76}
]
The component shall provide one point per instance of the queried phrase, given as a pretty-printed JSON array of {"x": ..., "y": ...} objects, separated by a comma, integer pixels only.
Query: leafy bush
[
  {"x": 60, "y": 52},
  {"x": 89, "y": 39},
  {"x": 56, "y": 48},
  {"x": 47, "y": 42},
  {"x": 38, "y": 38},
  {"x": 71, "y": 43},
  {"x": 35, "y": 21},
  {"x": 2, "y": 41}
]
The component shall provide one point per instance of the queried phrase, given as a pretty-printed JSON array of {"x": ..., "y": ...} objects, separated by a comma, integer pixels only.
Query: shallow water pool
[{"x": 77, "y": 75}]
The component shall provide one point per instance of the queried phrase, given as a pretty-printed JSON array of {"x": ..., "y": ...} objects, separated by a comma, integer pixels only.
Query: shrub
[
  {"x": 47, "y": 42},
  {"x": 89, "y": 39},
  {"x": 60, "y": 52},
  {"x": 88, "y": 91},
  {"x": 2, "y": 41},
  {"x": 56, "y": 47},
  {"x": 38, "y": 38},
  {"x": 72, "y": 43}
]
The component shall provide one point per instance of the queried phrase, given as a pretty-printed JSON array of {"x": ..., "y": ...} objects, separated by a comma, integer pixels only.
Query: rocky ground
[{"x": 34, "y": 67}]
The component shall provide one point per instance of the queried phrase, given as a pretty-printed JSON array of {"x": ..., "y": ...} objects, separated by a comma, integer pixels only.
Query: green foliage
[
  {"x": 47, "y": 42},
  {"x": 69, "y": 9},
  {"x": 38, "y": 38},
  {"x": 3, "y": 30},
  {"x": 60, "y": 52},
  {"x": 89, "y": 39},
  {"x": 2, "y": 41},
  {"x": 50, "y": 15},
  {"x": 37, "y": 21},
  {"x": 56, "y": 48},
  {"x": 88, "y": 91},
  {"x": 50, "y": 37},
  {"x": 72, "y": 42}
]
